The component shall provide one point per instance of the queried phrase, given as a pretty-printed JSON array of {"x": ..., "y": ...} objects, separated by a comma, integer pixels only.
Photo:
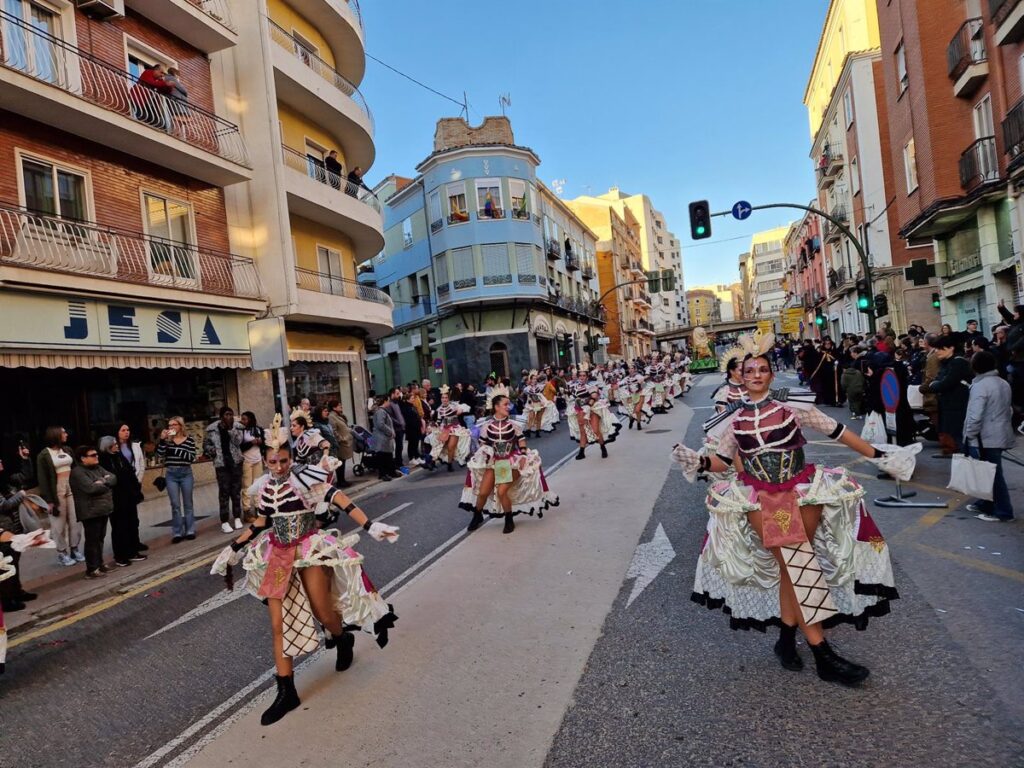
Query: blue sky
[{"x": 679, "y": 99}]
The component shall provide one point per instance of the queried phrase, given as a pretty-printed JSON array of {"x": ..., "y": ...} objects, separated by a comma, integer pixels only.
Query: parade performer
[
  {"x": 308, "y": 445},
  {"x": 9, "y": 544},
  {"x": 541, "y": 413},
  {"x": 504, "y": 478},
  {"x": 638, "y": 410},
  {"x": 590, "y": 418},
  {"x": 449, "y": 441},
  {"x": 789, "y": 543},
  {"x": 824, "y": 373},
  {"x": 733, "y": 390},
  {"x": 302, "y": 572},
  {"x": 658, "y": 391}
]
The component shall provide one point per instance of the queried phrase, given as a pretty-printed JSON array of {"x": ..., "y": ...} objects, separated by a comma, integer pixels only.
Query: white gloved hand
[
  {"x": 7, "y": 569},
  {"x": 688, "y": 459},
  {"x": 898, "y": 461},
  {"x": 227, "y": 557},
  {"x": 39, "y": 538},
  {"x": 383, "y": 532}
]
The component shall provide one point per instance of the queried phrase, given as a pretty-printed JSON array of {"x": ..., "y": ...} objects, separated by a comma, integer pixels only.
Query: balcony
[
  {"x": 979, "y": 164},
  {"x": 958, "y": 266},
  {"x": 572, "y": 264},
  {"x": 45, "y": 79},
  {"x": 578, "y": 305},
  {"x": 587, "y": 273},
  {"x": 312, "y": 87},
  {"x": 839, "y": 280},
  {"x": 205, "y": 24},
  {"x": 324, "y": 197},
  {"x": 486, "y": 214},
  {"x": 341, "y": 24},
  {"x": 1008, "y": 20},
  {"x": 1013, "y": 134},
  {"x": 967, "y": 59},
  {"x": 324, "y": 298},
  {"x": 37, "y": 250},
  {"x": 552, "y": 249},
  {"x": 638, "y": 269},
  {"x": 829, "y": 164}
]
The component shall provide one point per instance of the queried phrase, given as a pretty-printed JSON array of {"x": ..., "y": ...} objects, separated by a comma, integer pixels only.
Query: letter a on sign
[{"x": 209, "y": 337}]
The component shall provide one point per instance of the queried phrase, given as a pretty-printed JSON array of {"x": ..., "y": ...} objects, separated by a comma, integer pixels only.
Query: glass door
[
  {"x": 171, "y": 251},
  {"x": 332, "y": 279}
]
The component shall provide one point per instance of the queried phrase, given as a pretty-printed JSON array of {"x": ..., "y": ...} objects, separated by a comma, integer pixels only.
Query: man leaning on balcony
[
  {"x": 147, "y": 106},
  {"x": 333, "y": 168}
]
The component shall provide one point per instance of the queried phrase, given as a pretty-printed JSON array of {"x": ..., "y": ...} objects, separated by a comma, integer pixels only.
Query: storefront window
[{"x": 321, "y": 382}]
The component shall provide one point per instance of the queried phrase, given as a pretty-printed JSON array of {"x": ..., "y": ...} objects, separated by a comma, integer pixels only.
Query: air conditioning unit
[{"x": 102, "y": 9}]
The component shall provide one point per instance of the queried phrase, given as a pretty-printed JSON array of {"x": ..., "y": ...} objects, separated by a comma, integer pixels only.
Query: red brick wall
[
  {"x": 892, "y": 175},
  {"x": 116, "y": 179}
]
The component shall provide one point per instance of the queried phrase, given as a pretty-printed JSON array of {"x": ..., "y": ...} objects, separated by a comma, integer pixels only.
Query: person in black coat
[
  {"x": 124, "y": 520},
  {"x": 413, "y": 430},
  {"x": 953, "y": 388}
]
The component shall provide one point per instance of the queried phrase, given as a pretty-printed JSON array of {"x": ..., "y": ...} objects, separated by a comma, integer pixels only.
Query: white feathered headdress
[{"x": 498, "y": 389}]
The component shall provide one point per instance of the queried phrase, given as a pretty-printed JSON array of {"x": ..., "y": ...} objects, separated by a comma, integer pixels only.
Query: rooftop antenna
[
  {"x": 465, "y": 107},
  {"x": 505, "y": 100}
]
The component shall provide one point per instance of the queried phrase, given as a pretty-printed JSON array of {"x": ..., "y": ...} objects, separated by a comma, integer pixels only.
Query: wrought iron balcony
[
  {"x": 322, "y": 282},
  {"x": 217, "y": 10},
  {"x": 979, "y": 164},
  {"x": 967, "y": 59},
  {"x": 572, "y": 264},
  {"x": 315, "y": 170},
  {"x": 553, "y": 249},
  {"x": 53, "y": 62},
  {"x": 587, "y": 273},
  {"x": 1007, "y": 20},
  {"x": 1013, "y": 133},
  {"x": 53, "y": 244}
]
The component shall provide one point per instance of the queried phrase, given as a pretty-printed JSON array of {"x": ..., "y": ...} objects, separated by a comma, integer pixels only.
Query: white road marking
[
  {"x": 649, "y": 560},
  {"x": 225, "y": 597}
]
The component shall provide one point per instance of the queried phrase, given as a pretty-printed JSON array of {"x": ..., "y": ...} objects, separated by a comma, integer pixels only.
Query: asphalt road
[
  {"x": 669, "y": 684},
  {"x": 111, "y": 688}
]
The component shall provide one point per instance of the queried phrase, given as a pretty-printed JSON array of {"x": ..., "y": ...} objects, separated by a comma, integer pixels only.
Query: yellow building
[
  {"x": 850, "y": 26},
  {"x": 704, "y": 306},
  {"x": 293, "y": 80}
]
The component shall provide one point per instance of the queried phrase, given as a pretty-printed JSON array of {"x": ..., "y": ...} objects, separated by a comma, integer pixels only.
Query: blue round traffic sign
[
  {"x": 890, "y": 387},
  {"x": 741, "y": 210}
]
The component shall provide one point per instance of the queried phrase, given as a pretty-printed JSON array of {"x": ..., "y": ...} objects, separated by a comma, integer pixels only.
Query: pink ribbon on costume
[{"x": 279, "y": 573}]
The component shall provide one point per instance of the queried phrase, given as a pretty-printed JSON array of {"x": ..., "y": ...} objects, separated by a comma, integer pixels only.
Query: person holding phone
[
  {"x": 178, "y": 451},
  {"x": 53, "y": 470}
]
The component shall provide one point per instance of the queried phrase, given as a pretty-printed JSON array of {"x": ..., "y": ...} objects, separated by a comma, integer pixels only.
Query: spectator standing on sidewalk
[
  {"x": 988, "y": 431},
  {"x": 413, "y": 429},
  {"x": 53, "y": 471},
  {"x": 223, "y": 444},
  {"x": 383, "y": 440},
  {"x": 252, "y": 461},
  {"x": 134, "y": 455},
  {"x": 394, "y": 410},
  {"x": 952, "y": 385},
  {"x": 124, "y": 517},
  {"x": 12, "y": 594},
  {"x": 92, "y": 486},
  {"x": 343, "y": 435},
  {"x": 178, "y": 451}
]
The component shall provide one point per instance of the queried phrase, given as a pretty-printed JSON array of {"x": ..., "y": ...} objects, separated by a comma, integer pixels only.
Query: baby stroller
[{"x": 362, "y": 444}]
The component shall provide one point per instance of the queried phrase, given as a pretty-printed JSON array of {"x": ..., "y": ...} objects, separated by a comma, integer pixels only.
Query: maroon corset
[{"x": 767, "y": 425}]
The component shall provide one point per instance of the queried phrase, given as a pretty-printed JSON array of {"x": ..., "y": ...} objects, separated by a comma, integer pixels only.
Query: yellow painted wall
[
  {"x": 296, "y": 128},
  {"x": 328, "y": 342},
  {"x": 286, "y": 17},
  {"x": 850, "y": 26},
  {"x": 307, "y": 235}
]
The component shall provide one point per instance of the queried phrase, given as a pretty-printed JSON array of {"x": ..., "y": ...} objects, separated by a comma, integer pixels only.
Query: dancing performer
[
  {"x": 590, "y": 418},
  {"x": 504, "y": 478},
  {"x": 733, "y": 390},
  {"x": 302, "y": 572},
  {"x": 789, "y": 543},
  {"x": 449, "y": 441},
  {"x": 308, "y": 445},
  {"x": 637, "y": 409},
  {"x": 541, "y": 413},
  {"x": 10, "y": 544}
]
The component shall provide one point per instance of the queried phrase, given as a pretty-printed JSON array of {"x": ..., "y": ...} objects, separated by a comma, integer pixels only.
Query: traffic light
[
  {"x": 819, "y": 317},
  {"x": 936, "y": 301},
  {"x": 668, "y": 280},
  {"x": 700, "y": 220},
  {"x": 654, "y": 281},
  {"x": 881, "y": 305},
  {"x": 864, "y": 302},
  {"x": 563, "y": 345},
  {"x": 430, "y": 338}
]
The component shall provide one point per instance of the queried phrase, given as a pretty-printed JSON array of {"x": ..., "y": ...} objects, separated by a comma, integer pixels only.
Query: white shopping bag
[
  {"x": 915, "y": 399},
  {"x": 972, "y": 477},
  {"x": 874, "y": 429}
]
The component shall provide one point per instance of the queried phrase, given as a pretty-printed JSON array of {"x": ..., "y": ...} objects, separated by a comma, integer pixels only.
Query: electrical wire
[{"x": 412, "y": 79}]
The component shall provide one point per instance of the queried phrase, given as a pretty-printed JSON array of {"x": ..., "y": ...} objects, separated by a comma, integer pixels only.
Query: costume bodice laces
[
  {"x": 502, "y": 435},
  {"x": 766, "y": 426}
]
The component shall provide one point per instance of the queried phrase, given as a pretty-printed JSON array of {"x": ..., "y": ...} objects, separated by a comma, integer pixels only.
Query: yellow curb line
[{"x": 995, "y": 570}]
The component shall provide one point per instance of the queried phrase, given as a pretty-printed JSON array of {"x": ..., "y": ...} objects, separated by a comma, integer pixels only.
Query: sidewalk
[{"x": 63, "y": 590}]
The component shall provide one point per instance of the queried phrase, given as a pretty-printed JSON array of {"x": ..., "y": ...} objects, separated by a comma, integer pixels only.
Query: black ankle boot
[
  {"x": 631, "y": 420},
  {"x": 477, "y": 521},
  {"x": 287, "y": 700},
  {"x": 604, "y": 452},
  {"x": 581, "y": 454},
  {"x": 785, "y": 649},
  {"x": 509, "y": 525},
  {"x": 831, "y": 666},
  {"x": 638, "y": 425},
  {"x": 345, "y": 642},
  {"x": 450, "y": 467}
]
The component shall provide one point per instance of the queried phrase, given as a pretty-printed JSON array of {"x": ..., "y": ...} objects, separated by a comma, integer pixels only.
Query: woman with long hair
[
  {"x": 504, "y": 478},
  {"x": 53, "y": 472},
  {"x": 124, "y": 518},
  {"x": 178, "y": 450},
  {"x": 252, "y": 460},
  {"x": 132, "y": 452},
  {"x": 448, "y": 439},
  {"x": 790, "y": 543}
]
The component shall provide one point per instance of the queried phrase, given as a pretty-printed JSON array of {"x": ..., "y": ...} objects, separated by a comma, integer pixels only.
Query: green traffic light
[
  {"x": 862, "y": 303},
  {"x": 700, "y": 230}
]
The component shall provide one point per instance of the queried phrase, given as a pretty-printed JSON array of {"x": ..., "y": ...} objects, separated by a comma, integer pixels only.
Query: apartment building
[
  {"x": 121, "y": 295},
  {"x": 487, "y": 268},
  {"x": 956, "y": 121},
  {"x": 806, "y": 285},
  {"x": 292, "y": 84},
  {"x": 765, "y": 273},
  {"x": 704, "y": 306}
]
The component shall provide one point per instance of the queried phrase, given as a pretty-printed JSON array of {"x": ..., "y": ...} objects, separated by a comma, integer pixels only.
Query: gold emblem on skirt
[{"x": 783, "y": 519}]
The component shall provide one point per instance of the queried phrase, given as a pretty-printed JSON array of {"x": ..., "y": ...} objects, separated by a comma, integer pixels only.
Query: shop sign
[{"x": 51, "y": 322}]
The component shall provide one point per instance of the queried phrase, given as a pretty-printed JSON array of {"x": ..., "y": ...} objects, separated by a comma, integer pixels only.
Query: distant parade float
[{"x": 704, "y": 354}]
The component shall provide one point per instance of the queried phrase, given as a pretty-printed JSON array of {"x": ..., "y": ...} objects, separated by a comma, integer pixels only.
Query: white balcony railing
[
  {"x": 217, "y": 10},
  {"x": 50, "y": 60},
  {"x": 316, "y": 171},
  {"x": 54, "y": 244},
  {"x": 333, "y": 285}
]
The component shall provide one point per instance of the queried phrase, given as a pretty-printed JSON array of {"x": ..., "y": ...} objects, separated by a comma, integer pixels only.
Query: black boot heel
[
  {"x": 604, "y": 452},
  {"x": 287, "y": 700},
  {"x": 345, "y": 642},
  {"x": 785, "y": 649},
  {"x": 509, "y": 524},
  {"x": 834, "y": 668},
  {"x": 477, "y": 521}
]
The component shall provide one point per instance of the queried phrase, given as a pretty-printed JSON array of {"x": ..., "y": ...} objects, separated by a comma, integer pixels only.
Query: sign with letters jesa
[{"x": 51, "y": 322}]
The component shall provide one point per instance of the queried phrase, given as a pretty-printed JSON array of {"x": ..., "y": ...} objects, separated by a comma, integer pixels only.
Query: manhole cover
[{"x": 656, "y": 431}]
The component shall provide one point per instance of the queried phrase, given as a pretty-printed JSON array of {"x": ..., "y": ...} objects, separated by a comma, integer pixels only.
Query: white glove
[
  {"x": 383, "y": 532},
  {"x": 39, "y": 538},
  {"x": 7, "y": 569},
  {"x": 227, "y": 557},
  {"x": 689, "y": 461},
  {"x": 898, "y": 461}
]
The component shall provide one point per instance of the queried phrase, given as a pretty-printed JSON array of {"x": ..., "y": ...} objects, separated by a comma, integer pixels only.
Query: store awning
[
  {"x": 1004, "y": 265},
  {"x": 952, "y": 288},
  {"x": 105, "y": 361},
  {"x": 321, "y": 356}
]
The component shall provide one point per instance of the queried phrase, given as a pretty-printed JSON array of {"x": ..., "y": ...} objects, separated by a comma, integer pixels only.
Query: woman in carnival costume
[
  {"x": 449, "y": 441},
  {"x": 541, "y": 413},
  {"x": 590, "y": 418},
  {"x": 637, "y": 408},
  {"x": 308, "y": 445},
  {"x": 733, "y": 390},
  {"x": 303, "y": 572},
  {"x": 10, "y": 543},
  {"x": 504, "y": 478},
  {"x": 789, "y": 543}
]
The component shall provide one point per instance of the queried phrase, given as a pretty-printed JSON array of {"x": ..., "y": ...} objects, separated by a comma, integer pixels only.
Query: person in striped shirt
[{"x": 178, "y": 451}]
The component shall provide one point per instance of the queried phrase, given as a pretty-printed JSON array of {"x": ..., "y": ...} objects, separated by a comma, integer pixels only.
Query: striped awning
[
  {"x": 321, "y": 356},
  {"x": 72, "y": 360}
]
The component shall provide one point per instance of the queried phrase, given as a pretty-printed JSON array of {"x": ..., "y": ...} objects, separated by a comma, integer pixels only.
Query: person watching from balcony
[
  {"x": 334, "y": 169},
  {"x": 178, "y": 104},
  {"x": 355, "y": 181},
  {"x": 148, "y": 108}
]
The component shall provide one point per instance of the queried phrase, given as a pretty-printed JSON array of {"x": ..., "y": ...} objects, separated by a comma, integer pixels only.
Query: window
[
  {"x": 517, "y": 191},
  {"x": 901, "y": 68},
  {"x": 848, "y": 107},
  {"x": 458, "y": 211},
  {"x": 435, "y": 211},
  {"x": 328, "y": 262},
  {"x": 526, "y": 267},
  {"x": 855, "y": 176},
  {"x": 169, "y": 224},
  {"x": 499, "y": 359},
  {"x": 910, "y": 165},
  {"x": 488, "y": 199},
  {"x": 533, "y": 205},
  {"x": 983, "y": 125},
  {"x": 32, "y": 52},
  {"x": 53, "y": 190},
  {"x": 496, "y": 265},
  {"x": 407, "y": 232},
  {"x": 463, "y": 268},
  {"x": 441, "y": 271}
]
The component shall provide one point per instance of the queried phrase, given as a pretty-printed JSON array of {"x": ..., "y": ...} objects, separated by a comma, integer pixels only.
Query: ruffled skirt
[
  {"x": 549, "y": 414},
  {"x": 461, "y": 449},
  {"x": 529, "y": 494},
  {"x": 736, "y": 573},
  {"x": 609, "y": 425}
]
